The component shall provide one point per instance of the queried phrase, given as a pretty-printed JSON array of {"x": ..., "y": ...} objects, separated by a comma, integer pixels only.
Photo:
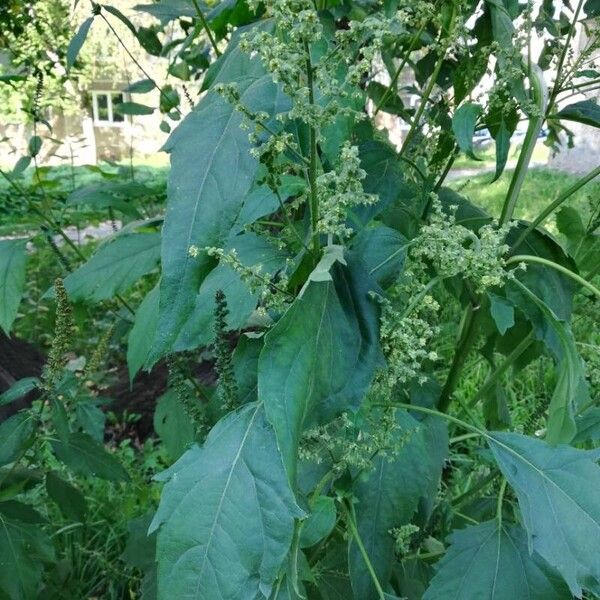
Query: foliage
[{"x": 345, "y": 293}]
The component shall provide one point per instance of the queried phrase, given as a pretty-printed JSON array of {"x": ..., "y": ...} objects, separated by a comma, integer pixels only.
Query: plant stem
[
  {"x": 519, "y": 258},
  {"x": 434, "y": 413},
  {"x": 312, "y": 167},
  {"x": 554, "y": 205},
  {"x": 504, "y": 365},
  {"x": 206, "y": 27},
  {"x": 135, "y": 61},
  {"x": 394, "y": 80},
  {"x": 480, "y": 485},
  {"x": 423, "y": 104},
  {"x": 361, "y": 548},
  {"x": 563, "y": 56},
  {"x": 469, "y": 334},
  {"x": 535, "y": 125},
  {"x": 500, "y": 500}
]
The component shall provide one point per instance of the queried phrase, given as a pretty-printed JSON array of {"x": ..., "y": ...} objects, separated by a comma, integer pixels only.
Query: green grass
[
  {"x": 541, "y": 187},
  {"x": 487, "y": 157}
]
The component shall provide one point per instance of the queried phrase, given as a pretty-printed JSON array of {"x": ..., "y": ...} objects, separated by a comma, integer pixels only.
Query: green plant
[{"x": 347, "y": 293}]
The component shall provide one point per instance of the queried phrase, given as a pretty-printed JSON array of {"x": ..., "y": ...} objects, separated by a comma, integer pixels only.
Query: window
[{"x": 104, "y": 107}]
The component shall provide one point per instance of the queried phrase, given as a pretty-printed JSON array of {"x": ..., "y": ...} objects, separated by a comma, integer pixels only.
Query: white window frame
[{"x": 110, "y": 122}]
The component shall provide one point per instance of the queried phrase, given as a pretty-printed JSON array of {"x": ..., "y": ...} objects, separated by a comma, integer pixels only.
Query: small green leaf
[
  {"x": 141, "y": 87},
  {"x": 133, "y": 108},
  {"x": 84, "y": 456},
  {"x": 142, "y": 333},
  {"x": 226, "y": 516},
  {"x": 21, "y": 165},
  {"x": 68, "y": 498},
  {"x": 492, "y": 560},
  {"x": 586, "y": 112},
  {"x": 149, "y": 41},
  {"x": 464, "y": 122},
  {"x": 12, "y": 280},
  {"x": 392, "y": 102},
  {"x": 14, "y": 433},
  {"x": 18, "y": 390},
  {"x": 503, "y": 312},
  {"x": 140, "y": 549},
  {"x": 90, "y": 418},
  {"x": 77, "y": 42},
  {"x": 117, "y": 13},
  {"x": 320, "y": 521},
  {"x": 173, "y": 424},
  {"x": 114, "y": 267},
  {"x": 35, "y": 145},
  {"x": 169, "y": 99},
  {"x": 502, "y": 139},
  {"x": 557, "y": 488}
]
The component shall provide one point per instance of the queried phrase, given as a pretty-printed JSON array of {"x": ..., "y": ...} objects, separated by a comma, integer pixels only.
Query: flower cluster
[
  {"x": 455, "y": 250},
  {"x": 352, "y": 443},
  {"x": 340, "y": 190},
  {"x": 270, "y": 288},
  {"x": 406, "y": 336}
]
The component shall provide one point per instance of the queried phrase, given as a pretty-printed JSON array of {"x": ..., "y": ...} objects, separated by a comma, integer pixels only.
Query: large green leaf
[
  {"x": 319, "y": 359},
  {"x": 18, "y": 389},
  {"x": 554, "y": 288},
  {"x": 583, "y": 246},
  {"x": 85, "y": 456},
  {"x": 24, "y": 549},
  {"x": 14, "y": 432},
  {"x": 252, "y": 251},
  {"x": 69, "y": 499},
  {"x": 77, "y": 42},
  {"x": 383, "y": 251},
  {"x": 226, "y": 514},
  {"x": 114, "y": 267},
  {"x": 571, "y": 390},
  {"x": 387, "y": 497},
  {"x": 212, "y": 171},
  {"x": 12, "y": 280},
  {"x": 557, "y": 488},
  {"x": 492, "y": 561},
  {"x": 384, "y": 177},
  {"x": 586, "y": 112},
  {"x": 115, "y": 194}
]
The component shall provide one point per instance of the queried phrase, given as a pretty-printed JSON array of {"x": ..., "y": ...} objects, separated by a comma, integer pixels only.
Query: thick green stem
[
  {"x": 504, "y": 365},
  {"x": 468, "y": 336},
  {"x": 434, "y": 413},
  {"x": 480, "y": 485},
  {"x": 312, "y": 167},
  {"x": 554, "y": 205},
  {"x": 520, "y": 258},
  {"x": 536, "y": 121}
]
